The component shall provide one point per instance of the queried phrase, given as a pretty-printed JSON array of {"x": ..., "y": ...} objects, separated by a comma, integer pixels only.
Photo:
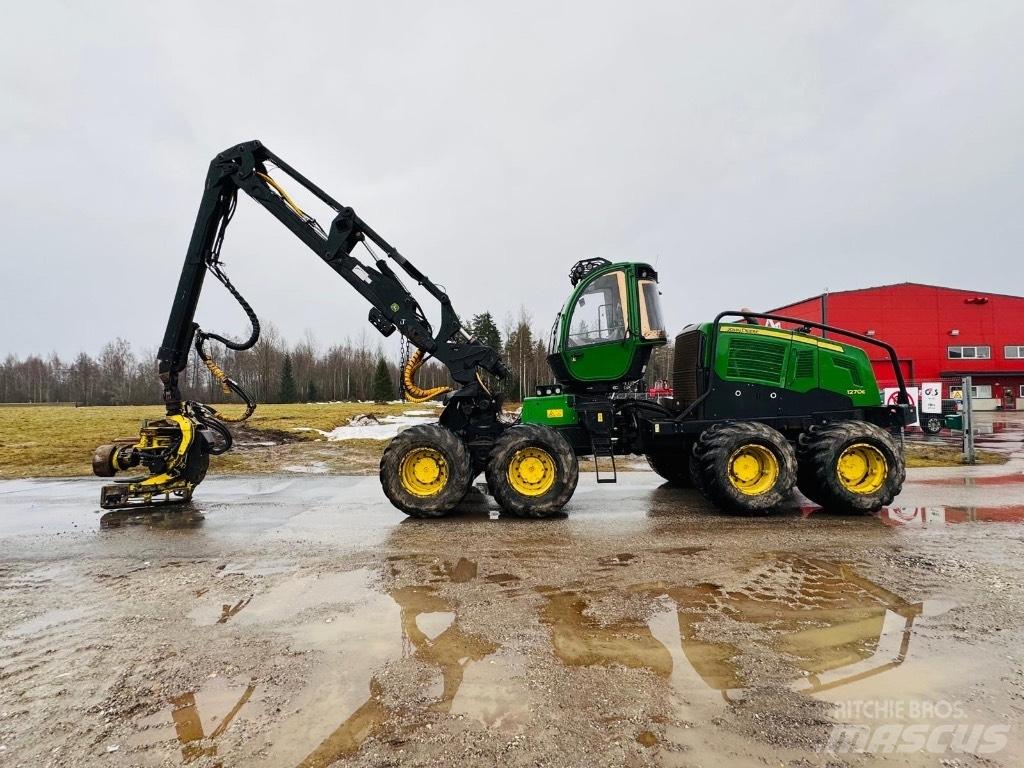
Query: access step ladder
[
  {"x": 599, "y": 419},
  {"x": 601, "y": 445}
]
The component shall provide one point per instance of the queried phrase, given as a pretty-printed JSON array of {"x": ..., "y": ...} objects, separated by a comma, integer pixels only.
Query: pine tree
[
  {"x": 485, "y": 330},
  {"x": 383, "y": 387},
  {"x": 312, "y": 395},
  {"x": 289, "y": 391}
]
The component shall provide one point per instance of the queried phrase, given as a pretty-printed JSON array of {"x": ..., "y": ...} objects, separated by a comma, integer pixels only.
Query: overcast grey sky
[{"x": 756, "y": 152}]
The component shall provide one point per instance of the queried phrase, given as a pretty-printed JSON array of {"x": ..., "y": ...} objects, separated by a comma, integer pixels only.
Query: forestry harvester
[{"x": 755, "y": 410}]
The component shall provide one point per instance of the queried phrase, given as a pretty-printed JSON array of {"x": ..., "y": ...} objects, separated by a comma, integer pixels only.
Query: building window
[
  {"x": 1022, "y": 390},
  {"x": 969, "y": 353},
  {"x": 1014, "y": 353},
  {"x": 981, "y": 391}
]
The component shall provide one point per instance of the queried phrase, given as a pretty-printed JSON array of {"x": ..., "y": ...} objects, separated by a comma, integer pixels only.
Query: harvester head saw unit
[{"x": 175, "y": 451}]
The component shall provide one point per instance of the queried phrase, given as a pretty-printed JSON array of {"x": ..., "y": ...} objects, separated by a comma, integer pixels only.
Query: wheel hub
[
  {"x": 531, "y": 471},
  {"x": 753, "y": 469},
  {"x": 424, "y": 472},
  {"x": 862, "y": 468}
]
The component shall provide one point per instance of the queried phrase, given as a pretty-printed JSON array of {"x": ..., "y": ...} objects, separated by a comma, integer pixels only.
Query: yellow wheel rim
[
  {"x": 424, "y": 472},
  {"x": 862, "y": 468},
  {"x": 531, "y": 471},
  {"x": 753, "y": 469}
]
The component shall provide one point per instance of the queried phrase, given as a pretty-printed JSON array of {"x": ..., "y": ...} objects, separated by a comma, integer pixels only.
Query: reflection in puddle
[
  {"x": 924, "y": 516},
  {"x": 430, "y": 634},
  {"x": 169, "y": 518},
  {"x": 832, "y": 625},
  {"x": 359, "y": 634},
  {"x": 388, "y": 662},
  {"x": 581, "y": 640},
  {"x": 450, "y": 651},
  {"x": 347, "y": 738},
  {"x": 970, "y": 482},
  {"x": 462, "y": 571},
  {"x": 184, "y": 718},
  {"x": 227, "y": 610},
  {"x": 824, "y": 617}
]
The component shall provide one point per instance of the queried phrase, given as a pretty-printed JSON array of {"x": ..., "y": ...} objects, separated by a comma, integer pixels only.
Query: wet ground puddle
[{"x": 832, "y": 626}]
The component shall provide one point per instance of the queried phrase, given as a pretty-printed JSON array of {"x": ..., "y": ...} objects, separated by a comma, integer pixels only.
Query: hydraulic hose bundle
[
  {"x": 413, "y": 392},
  {"x": 227, "y": 384}
]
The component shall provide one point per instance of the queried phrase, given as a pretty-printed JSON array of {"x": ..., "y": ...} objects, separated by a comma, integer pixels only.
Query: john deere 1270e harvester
[{"x": 756, "y": 410}]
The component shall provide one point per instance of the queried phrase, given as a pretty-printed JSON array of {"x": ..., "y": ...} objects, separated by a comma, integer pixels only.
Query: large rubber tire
[
  {"x": 722, "y": 455},
  {"x": 857, "y": 443},
  {"x": 931, "y": 423},
  {"x": 425, "y": 470},
  {"x": 532, "y": 471},
  {"x": 673, "y": 466},
  {"x": 696, "y": 473},
  {"x": 806, "y": 474}
]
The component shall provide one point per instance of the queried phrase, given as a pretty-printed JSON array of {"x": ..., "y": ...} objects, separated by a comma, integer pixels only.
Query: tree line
[{"x": 275, "y": 371}]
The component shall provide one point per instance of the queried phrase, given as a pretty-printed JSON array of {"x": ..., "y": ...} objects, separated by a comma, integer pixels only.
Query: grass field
[
  {"x": 41, "y": 441},
  {"x": 928, "y": 455}
]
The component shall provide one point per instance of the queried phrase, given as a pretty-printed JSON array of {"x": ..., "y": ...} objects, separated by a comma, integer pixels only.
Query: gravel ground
[{"x": 300, "y": 621}]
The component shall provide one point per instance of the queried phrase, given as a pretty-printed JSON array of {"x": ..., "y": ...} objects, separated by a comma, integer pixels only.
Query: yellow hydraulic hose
[
  {"x": 218, "y": 374},
  {"x": 228, "y": 387},
  {"x": 284, "y": 195},
  {"x": 413, "y": 392}
]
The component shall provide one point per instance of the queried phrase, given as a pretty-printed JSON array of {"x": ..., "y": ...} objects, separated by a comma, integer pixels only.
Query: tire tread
[{"x": 459, "y": 470}]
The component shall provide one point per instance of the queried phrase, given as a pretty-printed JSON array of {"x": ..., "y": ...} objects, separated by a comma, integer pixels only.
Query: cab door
[{"x": 598, "y": 344}]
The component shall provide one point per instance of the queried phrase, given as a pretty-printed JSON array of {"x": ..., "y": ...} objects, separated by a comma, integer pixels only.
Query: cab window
[
  {"x": 651, "y": 324},
  {"x": 553, "y": 339},
  {"x": 599, "y": 314}
]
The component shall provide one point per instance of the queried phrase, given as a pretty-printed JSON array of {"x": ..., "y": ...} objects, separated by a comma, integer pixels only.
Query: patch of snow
[
  {"x": 316, "y": 468},
  {"x": 369, "y": 426},
  {"x": 379, "y": 429}
]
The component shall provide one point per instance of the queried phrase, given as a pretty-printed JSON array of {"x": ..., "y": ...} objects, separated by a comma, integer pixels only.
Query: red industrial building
[{"x": 939, "y": 333}]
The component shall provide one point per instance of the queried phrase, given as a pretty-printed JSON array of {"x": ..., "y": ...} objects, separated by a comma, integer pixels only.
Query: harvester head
[{"x": 174, "y": 451}]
